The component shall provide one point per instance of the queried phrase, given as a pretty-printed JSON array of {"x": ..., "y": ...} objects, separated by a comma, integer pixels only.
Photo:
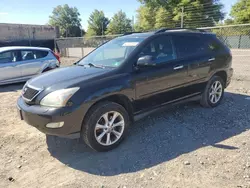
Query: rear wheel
[
  {"x": 105, "y": 126},
  {"x": 213, "y": 93}
]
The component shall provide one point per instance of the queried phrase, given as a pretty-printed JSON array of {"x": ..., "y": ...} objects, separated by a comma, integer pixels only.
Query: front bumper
[{"x": 39, "y": 116}]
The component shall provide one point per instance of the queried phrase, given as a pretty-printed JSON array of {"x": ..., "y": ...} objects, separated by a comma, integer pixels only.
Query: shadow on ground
[
  {"x": 160, "y": 138},
  {"x": 11, "y": 87}
]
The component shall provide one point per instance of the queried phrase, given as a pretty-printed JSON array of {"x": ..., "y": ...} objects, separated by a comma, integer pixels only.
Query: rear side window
[
  {"x": 33, "y": 54},
  {"x": 187, "y": 46},
  {"x": 40, "y": 54},
  {"x": 214, "y": 44},
  {"x": 8, "y": 57}
]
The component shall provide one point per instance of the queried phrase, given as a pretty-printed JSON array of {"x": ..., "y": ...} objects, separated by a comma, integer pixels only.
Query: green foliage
[
  {"x": 97, "y": 23},
  {"x": 119, "y": 24},
  {"x": 154, "y": 14},
  {"x": 145, "y": 18},
  {"x": 67, "y": 19},
  {"x": 241, "y": 12},
  {"x": 163, "y": 18},
  {"x": 229, "y": 21}
]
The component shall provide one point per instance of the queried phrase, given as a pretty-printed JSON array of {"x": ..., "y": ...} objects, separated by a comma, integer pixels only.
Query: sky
[{"x": 37, "y": 12}]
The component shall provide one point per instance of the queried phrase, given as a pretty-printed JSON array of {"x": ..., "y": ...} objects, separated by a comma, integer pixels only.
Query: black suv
[{"x": 125, "y": 79}]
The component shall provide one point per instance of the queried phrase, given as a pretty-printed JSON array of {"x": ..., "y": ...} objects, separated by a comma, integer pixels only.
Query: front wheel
[
  {"x": 213, "y": 93},
  {"x": 105, "y": 126}
]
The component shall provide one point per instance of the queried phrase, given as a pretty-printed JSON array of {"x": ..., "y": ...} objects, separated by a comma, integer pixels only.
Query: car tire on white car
[
  {"x": 105, "y": 126},
  {"x": 213, "y": 93}
]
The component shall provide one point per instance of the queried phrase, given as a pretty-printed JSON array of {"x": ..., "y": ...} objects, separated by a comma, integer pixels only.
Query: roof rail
[
  {"x": 179, "y": 29},
  {"x": 129, "y": 33}
]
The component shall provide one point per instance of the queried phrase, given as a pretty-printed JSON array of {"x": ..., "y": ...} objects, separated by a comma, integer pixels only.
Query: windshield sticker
[{"x": 130, "y": 44}]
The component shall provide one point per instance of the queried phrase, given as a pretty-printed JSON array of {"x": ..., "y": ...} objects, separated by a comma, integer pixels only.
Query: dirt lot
[{"x": 184, "y": 146}]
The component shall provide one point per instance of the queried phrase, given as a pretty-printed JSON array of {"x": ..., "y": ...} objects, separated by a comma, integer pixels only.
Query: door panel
[
  {"x": 199, "y": 68},
  {"x": 193, "y": 49},
  {"x": 158, "y": 84},
  {"x": 9, "y": 71},
  {"x": 31, "y": 67}
]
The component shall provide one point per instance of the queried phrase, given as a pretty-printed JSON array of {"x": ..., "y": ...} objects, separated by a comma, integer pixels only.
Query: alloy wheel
[
  {"x": 215, "y": 92},
  {"x": 109, "y": 128}
]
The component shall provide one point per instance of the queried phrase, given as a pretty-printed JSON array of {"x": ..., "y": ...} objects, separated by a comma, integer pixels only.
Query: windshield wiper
[
  {"x": 97, "y": 66},
  {"x": 92, "y": 65}
]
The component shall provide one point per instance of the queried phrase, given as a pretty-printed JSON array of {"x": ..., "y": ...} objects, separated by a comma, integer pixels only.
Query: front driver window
[
  {"x": 8, "y": 57},
  {"x": 161, "y": 49}
]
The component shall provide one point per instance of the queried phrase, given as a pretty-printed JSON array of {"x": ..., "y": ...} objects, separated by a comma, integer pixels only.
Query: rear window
[
  {"x": 190, "y": 45},
  {"x": 33, "y": 54}
]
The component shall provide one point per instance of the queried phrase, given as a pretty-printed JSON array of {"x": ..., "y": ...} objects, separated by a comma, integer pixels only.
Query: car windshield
[{"x": 112, "y": 53}]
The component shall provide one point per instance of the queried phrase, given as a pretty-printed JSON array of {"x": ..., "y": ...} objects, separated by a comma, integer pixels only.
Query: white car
[{"x": 18, "y": 64}]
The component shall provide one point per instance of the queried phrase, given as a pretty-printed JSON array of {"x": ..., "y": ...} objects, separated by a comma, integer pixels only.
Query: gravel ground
[{"x": 183, "y": 146}]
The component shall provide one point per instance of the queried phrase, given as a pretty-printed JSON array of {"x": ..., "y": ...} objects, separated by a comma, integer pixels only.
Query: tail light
[{"x": 57, "y": 56}]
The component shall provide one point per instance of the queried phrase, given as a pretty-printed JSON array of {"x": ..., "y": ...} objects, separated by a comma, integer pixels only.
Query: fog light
[{"x": 55, "y": 125}]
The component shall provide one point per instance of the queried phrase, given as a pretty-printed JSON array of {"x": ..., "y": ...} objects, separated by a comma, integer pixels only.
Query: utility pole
[
  {"x": 102, "y": 28},
  {"x": 182, "y": 16},
  {"x": 133, "y": 23},
  {"x": 81, "y": 31}
]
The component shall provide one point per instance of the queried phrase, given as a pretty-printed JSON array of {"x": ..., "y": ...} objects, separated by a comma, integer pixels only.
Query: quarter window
[
  {"x": 40, "y": 54},
  {"x": 214, "y": 45}
]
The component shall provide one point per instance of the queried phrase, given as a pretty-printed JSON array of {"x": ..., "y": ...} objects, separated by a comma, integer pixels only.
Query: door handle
[
  {"x": 178, "y": 67},
  {"x": 211, "y": 59}
]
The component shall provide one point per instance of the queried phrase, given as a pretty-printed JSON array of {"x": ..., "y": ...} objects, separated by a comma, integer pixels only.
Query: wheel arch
[
  {"x": 120, "y": 99},
  {"x": 222, "y": 74}
]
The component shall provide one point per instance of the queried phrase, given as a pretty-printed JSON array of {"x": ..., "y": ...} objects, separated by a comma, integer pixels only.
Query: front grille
[{"x": 29, "y": 93}]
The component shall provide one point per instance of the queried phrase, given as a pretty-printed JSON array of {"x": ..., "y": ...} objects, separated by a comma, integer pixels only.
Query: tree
[
  {"x": 241, "y": 12},
  {"x": 163, "y": 18},
  {"x": 145, "y": 18},
  {"x": 197, "y": 13},
  {"x": 97, "y": 23},
  {"x": 229, "y": 21},
  {"x": 67, "y": 19},
  {"x": 119, "y": 24}
]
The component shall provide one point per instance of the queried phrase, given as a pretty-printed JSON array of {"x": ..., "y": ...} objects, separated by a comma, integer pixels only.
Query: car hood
[{"x": 73, "y": 75}]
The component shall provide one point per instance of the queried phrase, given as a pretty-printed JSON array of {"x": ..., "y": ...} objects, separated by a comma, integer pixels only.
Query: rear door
[
  {"x": 32, "y": 62},
  {"x": 194, "y": 51},
  {"x": 9, "y": 62}
]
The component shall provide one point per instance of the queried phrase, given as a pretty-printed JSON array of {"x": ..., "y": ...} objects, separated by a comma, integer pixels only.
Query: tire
[
  {"x": 206, "y": 99},
  {"x": 91, "y": 132}
]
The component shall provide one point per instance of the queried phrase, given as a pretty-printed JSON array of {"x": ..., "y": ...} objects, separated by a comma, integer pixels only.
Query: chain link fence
[
  {"x": 80, "y": 46},
  {"x": 236, "y": 37}
]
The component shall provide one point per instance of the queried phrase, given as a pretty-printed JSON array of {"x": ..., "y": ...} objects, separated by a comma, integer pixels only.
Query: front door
[
  {"x": 9, "y": 69},
  {"x": 156, "y": 85}
]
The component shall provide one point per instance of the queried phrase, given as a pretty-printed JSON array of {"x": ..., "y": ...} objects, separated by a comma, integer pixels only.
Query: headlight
[{"x": 58, "y": 98}]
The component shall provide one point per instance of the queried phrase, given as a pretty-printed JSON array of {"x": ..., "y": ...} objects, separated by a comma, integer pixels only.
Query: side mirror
[{"x": 145, "y": 61}]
